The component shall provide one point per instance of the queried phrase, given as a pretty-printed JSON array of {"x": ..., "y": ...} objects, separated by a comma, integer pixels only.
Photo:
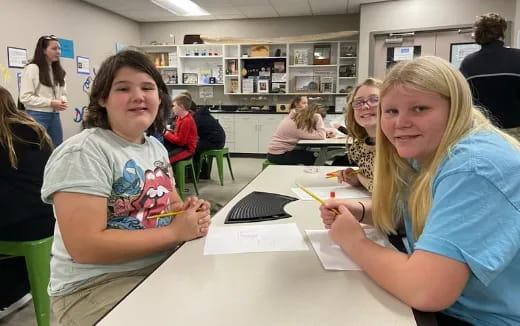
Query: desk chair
[
  {"x": 207, "y": 156},
  {"x": 37, "y": 259},
  {"x": 266, "y": 163},
  {"x": 179, "y": 170}
]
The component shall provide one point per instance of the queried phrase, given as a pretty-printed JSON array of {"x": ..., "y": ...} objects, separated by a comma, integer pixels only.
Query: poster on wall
[
  {"x": 408, "y": 52},
  {"x": 403, "y": 53},
  {"x": 206, "y": 92},
  {"x": 67, "y": 48},
  {"x": 83, "y": 65},
  {"x": 458, "y": 51},
  {"x": 16, "y": 57}
]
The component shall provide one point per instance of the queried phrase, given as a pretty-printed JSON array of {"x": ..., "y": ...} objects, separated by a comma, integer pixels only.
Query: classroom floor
[{"x": 244, "y": 170}]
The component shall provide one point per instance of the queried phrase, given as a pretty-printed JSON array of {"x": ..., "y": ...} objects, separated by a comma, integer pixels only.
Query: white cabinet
[
  {"x": 227, "y": 121},
  {"x": 248, "y": 133},
  {"x": 267, "y": 124}
]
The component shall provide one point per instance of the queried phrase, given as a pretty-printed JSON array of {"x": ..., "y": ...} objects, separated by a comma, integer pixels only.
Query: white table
[
  {"x": 270, "y": 288},
  {"x": 327, "y": 147}
]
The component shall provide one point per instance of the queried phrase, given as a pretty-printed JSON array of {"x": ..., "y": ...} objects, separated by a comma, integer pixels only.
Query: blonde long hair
[
  {"x": 395, "y": 179},
  {"x": 304, "y": 118},
  {"x": 354, "y": 129},
  {"x": 10, "y": 115}
]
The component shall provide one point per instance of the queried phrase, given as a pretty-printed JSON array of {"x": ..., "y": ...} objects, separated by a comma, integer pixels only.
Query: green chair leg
[
  {"x": 207, "y": 157},
  {"x": 180, "y": 177},
  {"x": 228, "y": 156},
  {"x": 220, "y": 167},
  {"x": 179, "y": 169},
  {"x": 193, "y": 177},
  {"x": 266, "y": 163},
  {"x": 37, "y": 259}
]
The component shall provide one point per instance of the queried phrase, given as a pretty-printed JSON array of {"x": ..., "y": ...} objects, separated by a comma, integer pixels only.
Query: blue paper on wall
[{"x": 67, "y": 48}]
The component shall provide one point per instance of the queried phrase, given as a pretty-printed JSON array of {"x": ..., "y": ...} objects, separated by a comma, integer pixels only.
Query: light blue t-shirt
[{"x": 475, "y": 219}]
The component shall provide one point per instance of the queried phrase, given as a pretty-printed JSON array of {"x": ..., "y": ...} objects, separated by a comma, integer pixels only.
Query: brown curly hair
[
  {"x": 489, "y": 27},
  {"x": 96, "y": 115}
]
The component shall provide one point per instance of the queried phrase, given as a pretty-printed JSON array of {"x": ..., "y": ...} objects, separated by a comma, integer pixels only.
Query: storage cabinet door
[
  {"x": 267, "y": 125},
  {"x": 227, "y": 121},
  {"x": 246, "y": 133}
]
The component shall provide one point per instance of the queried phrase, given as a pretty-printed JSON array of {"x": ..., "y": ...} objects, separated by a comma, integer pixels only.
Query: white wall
[
  {"x": 516, "y": 26},
  {"x": 93, "y": 30},
  {"x": 421, "y": 15},
  {"x": 263, "y": 27}
]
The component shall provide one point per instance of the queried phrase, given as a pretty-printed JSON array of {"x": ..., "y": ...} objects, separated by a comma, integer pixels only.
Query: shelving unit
[{"x": 270, "y": 69}]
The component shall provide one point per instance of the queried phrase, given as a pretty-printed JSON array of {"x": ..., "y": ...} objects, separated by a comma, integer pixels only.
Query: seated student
[
  {"x": 302, "y": 124},
  {"x": 299, "y": 102},
  {"x": 331, "y": 132},
  {"x": 361, "y": 119},
  {"x": 25, "y": 148},
  {"x": 106, "y": 184},
  {"x": 450, "y": 174},
  {"x": 211, "y": 135},
  {"x": 182, "y": 141}
]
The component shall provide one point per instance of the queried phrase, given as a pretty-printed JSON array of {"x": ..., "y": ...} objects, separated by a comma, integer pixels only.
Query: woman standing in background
[
  {"x": 42, "y": 89},
  {"x": 24, "y": 151}
]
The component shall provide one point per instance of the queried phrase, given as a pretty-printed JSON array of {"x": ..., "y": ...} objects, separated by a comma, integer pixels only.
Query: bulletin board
[{"x": 458, "y": 51}]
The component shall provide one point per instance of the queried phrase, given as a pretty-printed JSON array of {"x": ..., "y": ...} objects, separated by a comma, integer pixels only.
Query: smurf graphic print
[{"x": 138, "y": 194}]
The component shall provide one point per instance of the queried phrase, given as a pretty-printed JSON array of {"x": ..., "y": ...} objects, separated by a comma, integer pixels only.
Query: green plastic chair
[
  {"x": 179, "y": 169},
  {"x": 266, "y": 163},
  {"x": 37, "y": 258},
  {"x": 208, "y": 155}
]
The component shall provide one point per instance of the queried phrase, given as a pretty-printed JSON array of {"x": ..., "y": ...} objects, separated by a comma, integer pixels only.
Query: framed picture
[
  {"x": 306, "y": 84},
  {"x": 263, "y": 86},
  {"x": 301, "y": 56},
  {"x": 16, "y": 57},
  {"x": 83, "y": 65},
  {"x": 322, "y": 54},
  {"x": 189, "y": 78},
  {"x": 169, "y": 76}
]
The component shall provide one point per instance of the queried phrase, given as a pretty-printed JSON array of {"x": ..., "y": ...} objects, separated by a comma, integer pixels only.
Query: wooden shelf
[
  {"x": 312, "y": 66},
  {"x": 261, "y": 58},
  {"x": 201, "y": 56}
]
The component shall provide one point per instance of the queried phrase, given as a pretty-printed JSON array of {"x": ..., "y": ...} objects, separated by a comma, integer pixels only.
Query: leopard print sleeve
[{"x": 363, "y": 155}]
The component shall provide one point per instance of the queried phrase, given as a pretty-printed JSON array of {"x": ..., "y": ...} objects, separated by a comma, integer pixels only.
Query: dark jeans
[
  {"x": 446, "y": 320},
  {"x": 294, "y": 157},
  {"x": 14, "y": 281}
]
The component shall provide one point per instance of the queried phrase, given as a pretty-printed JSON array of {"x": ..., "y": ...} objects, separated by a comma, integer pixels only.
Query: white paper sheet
[
  {"x": 254, "y": 238},
  {"x": 331, "y": 255},
  {"x": 342, "y": 191}
]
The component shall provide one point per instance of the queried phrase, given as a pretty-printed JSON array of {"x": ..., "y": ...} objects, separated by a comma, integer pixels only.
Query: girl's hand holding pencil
[{"x": 348, "y": 175}]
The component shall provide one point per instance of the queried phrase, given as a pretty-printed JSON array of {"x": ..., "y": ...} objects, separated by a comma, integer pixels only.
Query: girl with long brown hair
[
  {"x": 305, "y": 123},
  {"x": 24, "y": 150}
]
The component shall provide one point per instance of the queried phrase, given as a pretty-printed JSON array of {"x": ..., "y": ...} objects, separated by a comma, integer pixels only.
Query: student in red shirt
[{"x": 182, "y": 141}]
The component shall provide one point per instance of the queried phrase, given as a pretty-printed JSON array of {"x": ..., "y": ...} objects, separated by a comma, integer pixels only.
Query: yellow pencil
[
  {"x": 166, "y": 214},
  {"x": 313, "y": 195},
  {"x": 336, "y": 173}
]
